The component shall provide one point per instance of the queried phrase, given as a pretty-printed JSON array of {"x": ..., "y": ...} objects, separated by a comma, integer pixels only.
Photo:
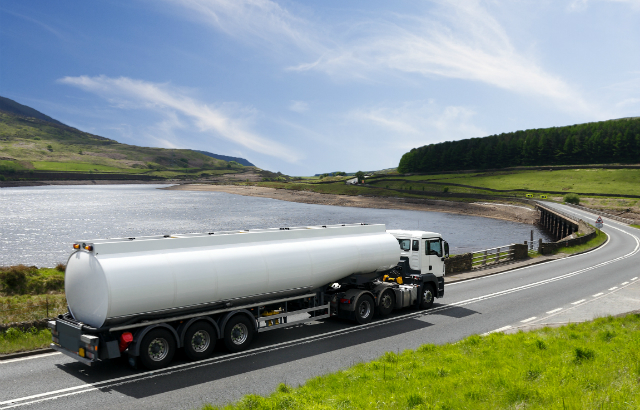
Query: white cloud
[
  {"x": 254, "y": 21},
  {"x": 578, "y": 5},
  {"x": 414, "y": 124},
  {"x": 299, "y": 106},
  {"x": 175, "y": 105}
]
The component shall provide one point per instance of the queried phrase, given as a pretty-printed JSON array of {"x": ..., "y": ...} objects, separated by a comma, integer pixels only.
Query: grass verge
[
  {"x": 27, "y": 308},
  {"x": 15, "y": 340},
  {"x": 598, "y": 240},
  {"x": 591, "y": 365},
  {"x": 636, "y": 226}
]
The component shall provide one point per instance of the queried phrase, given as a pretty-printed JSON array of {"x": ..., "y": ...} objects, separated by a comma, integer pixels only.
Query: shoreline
[{"x": 505, "y": 212}]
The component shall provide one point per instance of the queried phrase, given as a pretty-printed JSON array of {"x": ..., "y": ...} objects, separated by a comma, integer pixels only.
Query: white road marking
[
  {"x": 554, "y": 311},
  {"x": 598, "y": 294},
  {"x": 83, "y": 388},
  {"x": 613, "y": 288},
  {"x": 624, "y": 283},
  {"x": 528, "y": 320},
  {"x": 502, "y": 329},
  {"x": 35, "y": 356},
  {"x": 634, "y": 278},
  {"x": 578, "y": 301}
]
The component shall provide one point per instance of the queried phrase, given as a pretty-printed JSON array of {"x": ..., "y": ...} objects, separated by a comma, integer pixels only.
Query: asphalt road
[{"x": 294, "y": 355}]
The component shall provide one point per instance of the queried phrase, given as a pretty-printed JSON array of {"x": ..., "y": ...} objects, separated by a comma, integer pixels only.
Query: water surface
[{"x": 38, "y": 225}]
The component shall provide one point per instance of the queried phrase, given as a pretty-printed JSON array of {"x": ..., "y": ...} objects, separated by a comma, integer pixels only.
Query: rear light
[
  {"x": 76, "y": 246},
  {"x": 125, "y": 340},
  {"x": 88, "y": 247},
  {"x": 343, "y": 300}
]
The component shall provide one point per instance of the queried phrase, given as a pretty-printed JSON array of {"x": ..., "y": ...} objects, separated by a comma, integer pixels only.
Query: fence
[
  {"x": 27, "y": 312},
  {"x": 492, "y": 256},
  {"x": 606, "y": 215}
]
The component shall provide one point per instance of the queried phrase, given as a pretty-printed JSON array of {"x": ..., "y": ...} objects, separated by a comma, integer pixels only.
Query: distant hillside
[
  {"x": 613, "y": 141},
  {"x": 30, "y": 143},
  {"x": 240, "y": 161},
  {"x": 13, "y": 107}
]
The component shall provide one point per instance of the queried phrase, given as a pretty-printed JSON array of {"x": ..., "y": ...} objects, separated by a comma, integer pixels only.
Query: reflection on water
[{"x": 38, "y": 225}]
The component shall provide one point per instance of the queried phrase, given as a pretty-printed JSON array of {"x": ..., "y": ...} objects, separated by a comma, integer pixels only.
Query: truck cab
[{"x": 422, "y": 252}]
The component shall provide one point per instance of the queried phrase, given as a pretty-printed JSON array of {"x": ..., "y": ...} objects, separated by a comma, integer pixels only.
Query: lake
[{"x": 38, "y": 225}]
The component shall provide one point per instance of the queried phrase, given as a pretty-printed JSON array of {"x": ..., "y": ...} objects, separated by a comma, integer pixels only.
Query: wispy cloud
[
  {"x": 175, "y": 104},
  {"x": 577, "y": 5},
  {"x": 254, "y": 21},
  {"x": 299, "y": 106},
  {"x": 462, "y": 40},
  {"x": 417, "y": 123}
]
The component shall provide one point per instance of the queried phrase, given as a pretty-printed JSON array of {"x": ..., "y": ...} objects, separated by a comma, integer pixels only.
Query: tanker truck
[{"x": 143, "y": 298}]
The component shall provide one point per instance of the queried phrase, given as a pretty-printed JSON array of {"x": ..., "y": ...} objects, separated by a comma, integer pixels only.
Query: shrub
[
  {"x": 572, "y": 199},
  {"x": 2, "y": 177},
  {"x": 445, "y": 189},
  {"x": 61, "y": 267}
]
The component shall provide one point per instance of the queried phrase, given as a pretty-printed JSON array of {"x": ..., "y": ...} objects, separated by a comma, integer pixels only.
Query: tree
[{"x": 360, "y": 177}]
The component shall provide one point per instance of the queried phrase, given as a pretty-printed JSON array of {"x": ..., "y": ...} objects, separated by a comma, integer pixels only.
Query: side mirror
[{"x": 446, "y": 250}]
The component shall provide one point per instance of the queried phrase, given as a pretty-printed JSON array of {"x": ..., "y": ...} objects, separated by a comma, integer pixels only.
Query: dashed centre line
[
  {"x": 554, "y": 311},
  {"x": 624, "y": 283},
  {"x": 598, "y": 294},
  {"x": 498, "y": 330},
  {"x": 578, "y": 301},
  {"x": 528, "y": 320},
  {"x": 634, "y": 278},
  {"x": 613, "y": 288}
]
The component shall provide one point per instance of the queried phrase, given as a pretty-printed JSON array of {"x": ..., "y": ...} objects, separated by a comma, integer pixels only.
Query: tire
[
  {"x": 428, "y": 295},
  {"x": 364, "y": 309},
  {"x": 157, "y": 348},
  {"x": 238, "y": 333},
  {"x": 199, "y": 340},
  {"x": 387, "y": 302}
]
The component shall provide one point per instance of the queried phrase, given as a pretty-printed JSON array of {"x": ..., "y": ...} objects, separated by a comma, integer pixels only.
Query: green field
[
  {"x": 80, "y": 166},
  {"x": 593, "y": 365}
]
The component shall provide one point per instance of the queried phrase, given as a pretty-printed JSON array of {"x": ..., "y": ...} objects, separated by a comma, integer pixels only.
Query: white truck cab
[{"x": 422, "y": 252}]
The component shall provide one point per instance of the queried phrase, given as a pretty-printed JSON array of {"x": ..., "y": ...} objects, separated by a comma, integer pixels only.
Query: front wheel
[
  {"x": 364, "y": 309},
  {"x": 427, "y": 297},
  {"x": 238, "y": 333},
  {"x": 157, "y": 349}
]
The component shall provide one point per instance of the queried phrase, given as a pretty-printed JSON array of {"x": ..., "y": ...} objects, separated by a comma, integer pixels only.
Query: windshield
[{"x": 405, "y": 244}]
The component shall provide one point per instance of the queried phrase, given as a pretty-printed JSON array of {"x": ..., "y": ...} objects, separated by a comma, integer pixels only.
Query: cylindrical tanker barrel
[{"x": 120, "y": 280}]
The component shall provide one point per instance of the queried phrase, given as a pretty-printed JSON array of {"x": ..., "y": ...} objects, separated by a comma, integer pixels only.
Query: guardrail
[
  {"x": 492, "y": 256},
  {"x": 606, "y": 215},
  {"x": 574, "y": 218}
]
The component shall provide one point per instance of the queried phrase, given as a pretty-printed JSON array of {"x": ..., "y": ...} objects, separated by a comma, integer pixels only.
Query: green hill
[
  {"x": 13, "y": 107},
  {"x": 37, "y": 144},
  {"x": 605, "y": 142}
]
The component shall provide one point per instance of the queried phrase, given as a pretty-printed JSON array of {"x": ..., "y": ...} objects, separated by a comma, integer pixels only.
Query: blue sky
[{"x": 309, "y": 87}]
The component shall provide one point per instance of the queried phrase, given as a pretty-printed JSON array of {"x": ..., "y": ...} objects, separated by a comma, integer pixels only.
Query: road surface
[{"x": 532, "y": 294}]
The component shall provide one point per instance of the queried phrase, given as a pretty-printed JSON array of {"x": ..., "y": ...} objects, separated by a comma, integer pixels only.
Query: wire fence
[{"x": 42, "y": 308}]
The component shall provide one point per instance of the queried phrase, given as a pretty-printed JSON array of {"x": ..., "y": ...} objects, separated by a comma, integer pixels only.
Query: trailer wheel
[
  {"x": 364, "y": 309},
  {"x": 157, "y": 349},
  {"x": 199, "y": 340},
  {"x": 238, "y": 333},
  {"x": 427, "y": 297},
  {"x": 387, "y": 302}
]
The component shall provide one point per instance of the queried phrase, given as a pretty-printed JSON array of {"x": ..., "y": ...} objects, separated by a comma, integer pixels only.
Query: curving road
[{"x": 531, "y": 294}]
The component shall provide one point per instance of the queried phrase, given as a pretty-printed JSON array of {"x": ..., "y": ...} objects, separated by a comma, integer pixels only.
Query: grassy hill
[{"x": 32, "y": 144}]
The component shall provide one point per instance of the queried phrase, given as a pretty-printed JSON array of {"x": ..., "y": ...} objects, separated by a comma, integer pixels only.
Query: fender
[
  {"x": 134, "y": 347},
  {"x": 182, "y": 329},
  {"x": 222, "y": 322}
]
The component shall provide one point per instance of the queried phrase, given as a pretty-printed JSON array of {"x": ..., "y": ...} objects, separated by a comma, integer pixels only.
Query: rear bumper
[{"x": 72, "y": 355}]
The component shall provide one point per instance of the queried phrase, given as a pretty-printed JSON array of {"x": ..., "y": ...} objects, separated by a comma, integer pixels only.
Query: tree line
[{"x": 614, "y": 141}]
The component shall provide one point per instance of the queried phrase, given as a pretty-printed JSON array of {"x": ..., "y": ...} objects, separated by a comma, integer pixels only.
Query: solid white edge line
[
  {"x": 578, "y": 301},
  {"x": 597, "y": 294},
  {"x": 529, "y": 320},
  {"x": 35, "y": 356},
  {"x": 554, "y": 311}
]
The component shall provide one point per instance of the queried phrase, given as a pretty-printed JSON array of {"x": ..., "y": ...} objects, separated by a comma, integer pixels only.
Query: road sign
[
  {"x": 599, "y": 223},
  {"x": 529, "y": 195},
  {"x": 543, "y": 196}
]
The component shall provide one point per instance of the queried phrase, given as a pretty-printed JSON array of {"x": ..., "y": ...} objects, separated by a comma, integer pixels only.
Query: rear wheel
[
  {"x": 364, "y": 309},
  {"x": 387, "y": 302},
  {"x": 199, "y": 340},
  {"x": 427, "y": 296},
  {"x": 238, "y": 333},
  {"x": 157, "y": 349}
]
